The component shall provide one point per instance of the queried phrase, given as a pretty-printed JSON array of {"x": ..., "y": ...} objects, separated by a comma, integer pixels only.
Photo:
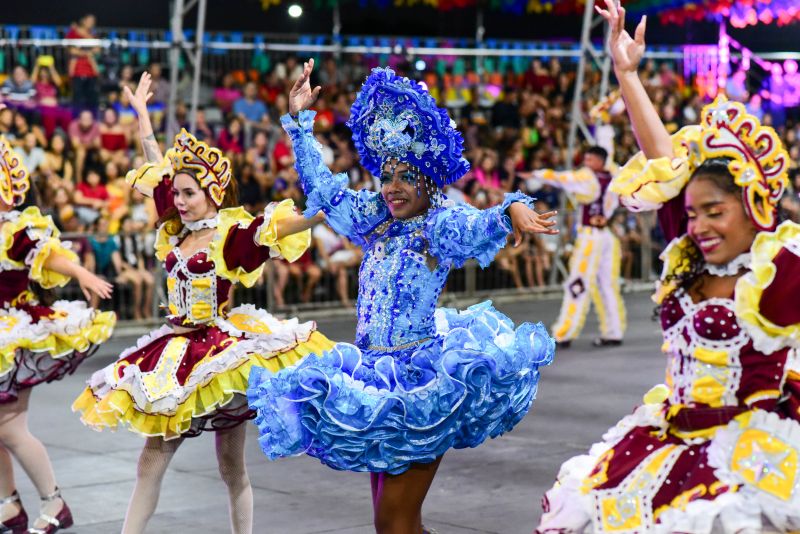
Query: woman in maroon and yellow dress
[
  {"x": 191, "y": 375},
  {"x": 38, "y": 342},
  {"x": 717, "y": 447}
]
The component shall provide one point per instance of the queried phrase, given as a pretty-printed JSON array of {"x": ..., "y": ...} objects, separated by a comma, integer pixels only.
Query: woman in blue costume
[{"x": 419, "y": 380}]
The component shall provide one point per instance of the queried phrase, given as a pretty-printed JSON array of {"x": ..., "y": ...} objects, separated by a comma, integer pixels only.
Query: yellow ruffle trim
[
  {"x": 60, "y": 344},
  {"x": 750, "y": 287},
  {"x": 147, "y": 177},
  {"x": 163, "y": 246},
  {"x": 7, "y": 358},
  {"x": 646, "y": 184},
  {"x": 42, "y": 227},
  {"x": 117, "y": 408},
  {"x": 291, "y": 247},
  {"x": 228, "y": 218},
  {"x": 674, "y": 260},
  {"x": 45, "y": 277}
]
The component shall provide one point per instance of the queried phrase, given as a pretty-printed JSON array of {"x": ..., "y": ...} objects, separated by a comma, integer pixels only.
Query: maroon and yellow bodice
[
  {"x": 199, "y": 286},
  {"x": 712, "y": 360},
  {"x": 197, "y": 295}
]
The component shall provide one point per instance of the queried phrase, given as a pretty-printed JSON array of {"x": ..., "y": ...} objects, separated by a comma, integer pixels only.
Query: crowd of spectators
[{"x": 77, "y": 135}]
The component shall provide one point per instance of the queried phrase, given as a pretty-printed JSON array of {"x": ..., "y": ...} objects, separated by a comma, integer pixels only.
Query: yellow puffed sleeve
[
  {"x": 646, "y": 184},
  {"x": 228, "y": 268},
  {"x": 43, "y": 236},
  {"x": 290, "y": 247},
  {"x": 163, "y": 242},
  {"x": 767, "y": 335},
  {"x": 147, "y": 177}
]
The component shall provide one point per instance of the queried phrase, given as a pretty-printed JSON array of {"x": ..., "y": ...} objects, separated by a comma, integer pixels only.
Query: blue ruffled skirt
[{"x": 362, "y": 410}]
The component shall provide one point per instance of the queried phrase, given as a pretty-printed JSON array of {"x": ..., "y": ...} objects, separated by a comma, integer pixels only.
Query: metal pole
[
  {"x": 198, "y": 61},
  {"x": 577, "y": 99},
  {"x": 176, "y": 27},
  {"x": 605, "y": 66},
  {"x": 480, "y": 31},
  {"x": 337, "y": 23}
]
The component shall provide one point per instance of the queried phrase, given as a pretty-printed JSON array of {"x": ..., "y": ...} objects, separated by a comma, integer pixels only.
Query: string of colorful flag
[{"x": 739, "y": 13}]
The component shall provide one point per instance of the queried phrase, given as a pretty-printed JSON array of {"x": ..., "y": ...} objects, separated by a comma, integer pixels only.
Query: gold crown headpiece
[
  {"x": 212, "y": 169},
  {"x": 14, "y": 179},
  {"x": 759, "y": 162}
]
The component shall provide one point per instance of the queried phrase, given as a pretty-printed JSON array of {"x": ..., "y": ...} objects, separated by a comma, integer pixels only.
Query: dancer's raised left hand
[
  {"x": 301, "y": 96},
  {"x": 626, "y": 51},
  {"x": 524, "y": 220}
]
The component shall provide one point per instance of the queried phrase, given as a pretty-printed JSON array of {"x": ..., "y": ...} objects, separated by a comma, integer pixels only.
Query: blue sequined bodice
[
  {"x": 405, "y": 261},
  {"x": 399, "y": 286}
]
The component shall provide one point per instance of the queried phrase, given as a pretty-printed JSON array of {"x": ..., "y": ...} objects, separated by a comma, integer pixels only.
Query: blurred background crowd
[{"x": 77, "y": 134}]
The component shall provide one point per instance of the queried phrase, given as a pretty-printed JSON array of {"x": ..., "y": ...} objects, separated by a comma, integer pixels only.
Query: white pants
[{"x": 593, "y": 273}]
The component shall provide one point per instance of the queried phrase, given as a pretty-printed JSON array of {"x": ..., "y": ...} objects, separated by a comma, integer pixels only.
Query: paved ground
[{"x": 495, "y": 488}]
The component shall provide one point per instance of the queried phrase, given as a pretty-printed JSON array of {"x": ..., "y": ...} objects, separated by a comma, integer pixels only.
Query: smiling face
[
  {"x": 190, "y": 200},
  {"x": 400, "y": 192},
  {"x": 718, "y": 223}
]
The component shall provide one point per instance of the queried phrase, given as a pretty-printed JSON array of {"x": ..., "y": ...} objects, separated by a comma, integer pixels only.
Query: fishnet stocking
[
  {"x": 233, "y": 470},
  {"x": 153, "y": 463}
]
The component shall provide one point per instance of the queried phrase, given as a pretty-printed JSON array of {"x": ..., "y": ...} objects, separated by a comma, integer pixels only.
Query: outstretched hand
[
  {"x": 301, "y": 96},
  {"x": 524, "y": 220},
  {"x": 142, "y": 95},
  {"x": 91, "y": 283},
  {"x": 626, "y": 51}
]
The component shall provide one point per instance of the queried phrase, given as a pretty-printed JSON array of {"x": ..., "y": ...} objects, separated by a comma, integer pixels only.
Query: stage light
[
  {"x": 295, "y": 11},
  {"x": 420, "y": 65}
]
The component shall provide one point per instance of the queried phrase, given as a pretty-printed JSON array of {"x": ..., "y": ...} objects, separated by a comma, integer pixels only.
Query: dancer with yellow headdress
[
  {"x": 191, "y": 375},
  {"x": 39, "y": 341},
  {"x": 716, "y": 448}
]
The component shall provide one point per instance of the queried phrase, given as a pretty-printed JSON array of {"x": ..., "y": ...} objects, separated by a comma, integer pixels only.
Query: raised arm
[
  {"x": 458, "y": 233},
  {"x": 138, "y": 100},
  {"x": 149, "y": 178},
  {"x": 350, "y": 213},
  {"x": 626, "y": 53}
]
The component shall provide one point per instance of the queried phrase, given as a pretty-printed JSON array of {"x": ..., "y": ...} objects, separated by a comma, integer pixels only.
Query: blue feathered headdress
[{"x": 395, "y": 117}]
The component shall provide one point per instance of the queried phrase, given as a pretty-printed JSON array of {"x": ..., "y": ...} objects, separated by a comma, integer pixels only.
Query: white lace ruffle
[
  {"x": 284, "y": 336},
  {"x": 732, "y": 268},
  {"x": 194, "y": 226},
  {"x": 74, "y": 317}
]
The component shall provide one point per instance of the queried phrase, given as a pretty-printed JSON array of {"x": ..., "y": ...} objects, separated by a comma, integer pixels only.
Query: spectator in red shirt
[
  {"x": 91, "y": 197},
  {"x": 282, "y": 154},
  {"x": 83, "y": 65},
  {"x": 84, "y": 134},
  {"x": 113, "y": 139}
]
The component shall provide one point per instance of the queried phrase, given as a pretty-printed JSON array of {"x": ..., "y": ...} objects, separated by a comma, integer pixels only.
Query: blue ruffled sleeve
[
  {"x": 458, "y": 233},
  {"x": 353, "y": 214}
]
